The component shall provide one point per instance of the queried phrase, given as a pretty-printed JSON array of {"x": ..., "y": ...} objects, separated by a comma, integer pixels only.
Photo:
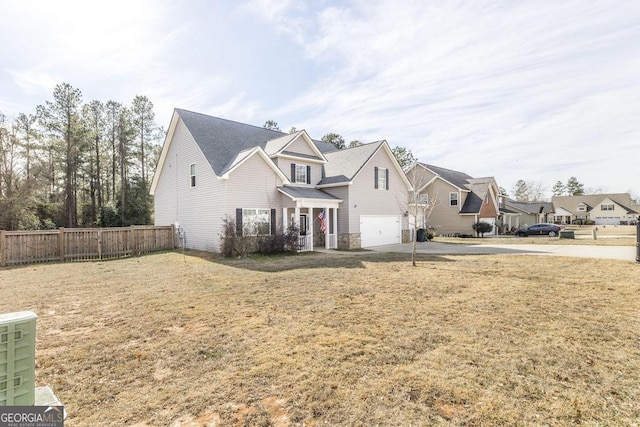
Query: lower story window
[{"x": 256, "y": 222}]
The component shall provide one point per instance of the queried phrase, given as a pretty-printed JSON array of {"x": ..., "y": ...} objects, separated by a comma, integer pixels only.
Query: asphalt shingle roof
[
  {"x": 343, "y": 165},
  {"x": 307, "y": 193},
  {"x": 221, "y": 140},
  {"x": 459, "y": 179}
]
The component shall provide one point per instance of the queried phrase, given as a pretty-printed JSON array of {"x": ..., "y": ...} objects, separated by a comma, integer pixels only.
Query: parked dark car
[{"x": 550, "y": 230}]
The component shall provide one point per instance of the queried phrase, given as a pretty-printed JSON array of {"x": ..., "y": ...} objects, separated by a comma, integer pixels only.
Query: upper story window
[
  {"x": 381, "y": 178},
  {"x": 300, "y": 173},
  {"x": 453, "y": 199},
  {"x": 192, "y": 173},
  {"x": 607, "y": 207},
  {"x": 582, "y": 208}
]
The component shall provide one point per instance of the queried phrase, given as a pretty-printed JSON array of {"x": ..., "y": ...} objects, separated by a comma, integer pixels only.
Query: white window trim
[
  {"x": 457, "y": 199},
  {"x": 382, "y": 178},
  {"x": 301, "y": 173}
]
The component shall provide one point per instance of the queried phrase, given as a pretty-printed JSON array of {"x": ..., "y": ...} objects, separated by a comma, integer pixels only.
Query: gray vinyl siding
[
  {"x": 365, "y": 199},
  {"x": 300, "y": 146},
  {"x": 197, "y": 209},
  {"x": 345, "y": 207},
  {"x": 316, "y": 170},
  {"x": 254, "y": 185}
]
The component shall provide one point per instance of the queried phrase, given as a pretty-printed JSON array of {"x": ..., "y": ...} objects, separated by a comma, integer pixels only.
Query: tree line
[
  {"x": 534, "y": 191},
  {"x": 72, "y": 163}
]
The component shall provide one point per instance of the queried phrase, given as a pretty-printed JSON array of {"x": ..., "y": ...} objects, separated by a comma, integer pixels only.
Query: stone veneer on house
[{"x": 349, "y": 241}]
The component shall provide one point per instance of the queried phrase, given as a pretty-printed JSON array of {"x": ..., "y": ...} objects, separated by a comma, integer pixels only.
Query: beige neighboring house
[
  {"x": 528, "y": 213},
  {"x": 459, "y": 199},
  {"x": 211, "y": 169},
  {"x": 603, "y": 209}
]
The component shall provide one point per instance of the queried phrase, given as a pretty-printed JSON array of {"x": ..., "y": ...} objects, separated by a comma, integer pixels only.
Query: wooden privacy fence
[{"x": 77, "y": 244}]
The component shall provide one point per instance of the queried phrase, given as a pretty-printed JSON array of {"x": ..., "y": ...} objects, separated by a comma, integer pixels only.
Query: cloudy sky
[{"x": 539, "y": 90}]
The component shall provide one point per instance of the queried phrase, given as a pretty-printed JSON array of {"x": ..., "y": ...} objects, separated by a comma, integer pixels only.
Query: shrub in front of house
[
  {"x": 482, "y": 227},
  {"x": 233, "y": 244}
]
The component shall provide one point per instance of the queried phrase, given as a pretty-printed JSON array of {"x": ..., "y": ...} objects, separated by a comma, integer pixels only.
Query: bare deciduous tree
[{"x": 422, "y": 200}]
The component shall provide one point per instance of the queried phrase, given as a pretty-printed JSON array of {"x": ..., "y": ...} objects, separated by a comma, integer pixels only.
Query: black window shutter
[
  {"x": 387, "y": 179},
  {"x": 273, "y": 222},
  {"x": 375, "y": 177},
  {"x": 293, "y": 172},
  {"x": 308, "y": 174},
  {"x": 239, "y": 221}
]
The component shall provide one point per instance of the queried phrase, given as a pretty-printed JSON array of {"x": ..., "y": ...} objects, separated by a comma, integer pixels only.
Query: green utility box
[{"x": 17, "y": 358}]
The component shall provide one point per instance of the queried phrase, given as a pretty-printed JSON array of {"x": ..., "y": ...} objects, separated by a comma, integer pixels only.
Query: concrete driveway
[{"x": 625, "y": 253}]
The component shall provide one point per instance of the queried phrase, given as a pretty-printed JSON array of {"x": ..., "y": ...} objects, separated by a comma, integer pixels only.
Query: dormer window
[{"x": 582, "y": 208}]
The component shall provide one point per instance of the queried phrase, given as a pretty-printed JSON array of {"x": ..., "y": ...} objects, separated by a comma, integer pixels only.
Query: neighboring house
[
  {"x": 603, "y": 209},
  {"x": 527, "y": 213},
  {"x": 212, "y": 169},
  {"x": 458, "y": 199}
]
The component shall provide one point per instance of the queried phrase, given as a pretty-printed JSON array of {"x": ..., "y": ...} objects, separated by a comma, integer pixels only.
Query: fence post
[
  {"x": 134, "y": 242},
  {"x": 100, "y": 243},
  {"x": 3, "y": 236},
  {"x": 61, "y": 246},
  {"x": 173, "y": 236}
]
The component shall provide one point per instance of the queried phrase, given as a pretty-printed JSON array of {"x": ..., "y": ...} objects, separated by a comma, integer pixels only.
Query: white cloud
[
  {"x": 479, "y": 86},
  {"x": 501, "y": 89}
]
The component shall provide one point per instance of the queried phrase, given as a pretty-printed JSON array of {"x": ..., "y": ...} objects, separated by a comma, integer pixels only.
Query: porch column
[
  {"x": 296, "y": 218},
  {"x": 310, "y": 226},
  {"x": 326, "y": 228},
  {"x": 284, "y": 221},
  {"x": 335, "y": 225}
]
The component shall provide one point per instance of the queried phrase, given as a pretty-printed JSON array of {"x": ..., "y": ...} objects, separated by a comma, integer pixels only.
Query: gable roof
[
  {"x": 458, "y": 179},
  {"x": 570, "y": 203},
  {"x": 477, "y": 188},
  {"x": 530, "y": 207},
  {"x": 244, "y": 156},
  {"x": 343, "y": 166},
  {"x": 279, "y": 145},
  {"x": 221, "y": 140},
  {"x": 226, "y": 144}
]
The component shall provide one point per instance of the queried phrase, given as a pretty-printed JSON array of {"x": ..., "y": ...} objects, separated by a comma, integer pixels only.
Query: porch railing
[{"x": 304, "y": 243}]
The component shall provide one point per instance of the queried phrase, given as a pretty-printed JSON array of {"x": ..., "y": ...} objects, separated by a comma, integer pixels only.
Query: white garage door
[
  {"x": 376, "y": 230},
  {"x": 601, "y": 220}
]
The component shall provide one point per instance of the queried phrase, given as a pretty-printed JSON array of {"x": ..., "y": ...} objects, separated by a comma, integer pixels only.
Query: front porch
[
  {"x": 318, "y": 226},
  {"x": 315, "y": 214}
]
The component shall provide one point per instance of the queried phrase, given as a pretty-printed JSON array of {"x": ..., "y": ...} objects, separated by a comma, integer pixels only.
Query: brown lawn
[{"x": 330, "y": 339}]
